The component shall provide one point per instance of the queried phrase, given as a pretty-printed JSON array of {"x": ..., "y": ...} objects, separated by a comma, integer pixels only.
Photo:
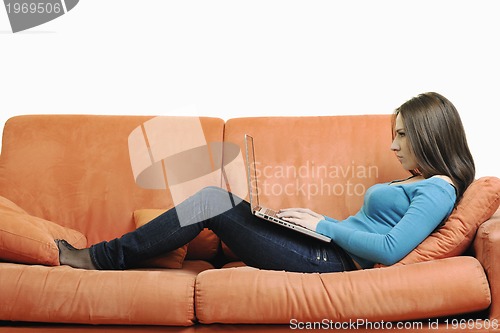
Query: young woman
[{"x": 429, "y": 141}]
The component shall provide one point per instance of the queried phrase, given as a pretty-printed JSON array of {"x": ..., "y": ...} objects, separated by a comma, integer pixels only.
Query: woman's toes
[
  {"x": 71, "y": 256},
  {"x": 67, "y": 245}
]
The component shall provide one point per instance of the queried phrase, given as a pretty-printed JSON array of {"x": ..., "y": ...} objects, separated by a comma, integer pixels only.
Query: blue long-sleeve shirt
[{"x": 393, "y": 220}]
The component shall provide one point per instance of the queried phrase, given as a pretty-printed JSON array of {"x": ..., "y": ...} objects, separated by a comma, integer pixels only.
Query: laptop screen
[{"x": 253, "y": 191}]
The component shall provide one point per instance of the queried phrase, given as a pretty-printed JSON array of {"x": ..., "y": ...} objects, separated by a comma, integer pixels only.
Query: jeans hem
[{"x": 93, "y": 258}]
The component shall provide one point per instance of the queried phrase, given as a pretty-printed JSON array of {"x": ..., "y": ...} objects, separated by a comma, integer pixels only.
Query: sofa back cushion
[
  {"x": 78, "y": 171},
  {"x": 323, "y": 163}
]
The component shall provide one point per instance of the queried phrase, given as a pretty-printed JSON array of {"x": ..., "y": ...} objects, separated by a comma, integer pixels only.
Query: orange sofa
[{"x": 90, "y": 178}]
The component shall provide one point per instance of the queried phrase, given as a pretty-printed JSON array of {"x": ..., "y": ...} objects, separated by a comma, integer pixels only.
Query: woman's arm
[{"x": 426, "y": 211}]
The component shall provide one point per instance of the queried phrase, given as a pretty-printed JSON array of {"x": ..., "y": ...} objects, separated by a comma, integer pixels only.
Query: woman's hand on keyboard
[{"x": 301, "y": 216}]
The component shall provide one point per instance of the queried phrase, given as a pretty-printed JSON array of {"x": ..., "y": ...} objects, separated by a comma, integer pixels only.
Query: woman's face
[{"x": 401, "y": 146}]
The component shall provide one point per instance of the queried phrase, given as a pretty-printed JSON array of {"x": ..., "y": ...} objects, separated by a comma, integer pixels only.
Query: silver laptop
[{"x": 253, "y": 194}]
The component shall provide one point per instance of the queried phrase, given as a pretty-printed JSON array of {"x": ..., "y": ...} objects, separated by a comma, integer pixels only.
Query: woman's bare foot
[{"x": 68, "y": 255}]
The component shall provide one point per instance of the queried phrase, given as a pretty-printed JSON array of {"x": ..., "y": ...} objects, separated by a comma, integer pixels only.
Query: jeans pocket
[
  {"x": 325, "y": 255},
  {"x": 318, "y": 254},
  {"x": 321, "y": 254}
]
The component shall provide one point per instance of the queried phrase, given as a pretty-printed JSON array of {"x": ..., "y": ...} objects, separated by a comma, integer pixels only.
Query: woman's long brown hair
[{"x": 437, "y": 138}]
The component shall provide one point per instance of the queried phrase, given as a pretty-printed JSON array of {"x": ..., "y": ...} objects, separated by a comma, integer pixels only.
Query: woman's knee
[
  {"x": 218, "y": 200},
  {"x": 213, "y": 193}
]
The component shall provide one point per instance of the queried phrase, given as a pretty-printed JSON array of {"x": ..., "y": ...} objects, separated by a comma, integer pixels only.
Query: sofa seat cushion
[
  {"x": 66, "y": 295},
  {"x": 28, "y": 239},
  {"x": 406, "y": 292}
]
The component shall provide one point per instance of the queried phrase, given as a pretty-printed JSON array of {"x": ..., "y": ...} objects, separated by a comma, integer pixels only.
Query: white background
[{"x": 253, "y": 58}]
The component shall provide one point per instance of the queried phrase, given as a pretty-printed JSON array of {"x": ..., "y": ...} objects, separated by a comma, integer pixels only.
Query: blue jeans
[{"x": 256, "y": 242}]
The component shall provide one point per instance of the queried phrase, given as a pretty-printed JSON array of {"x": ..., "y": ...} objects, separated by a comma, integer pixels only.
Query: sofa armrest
[{"x": 487, "y": 251}]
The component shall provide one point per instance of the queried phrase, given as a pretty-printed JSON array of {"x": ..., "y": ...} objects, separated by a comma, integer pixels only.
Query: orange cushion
[
  {"x": 204, "y": 247},
  {"x": 257, "y": 296},
  {"x": 29, "y": 239},
  {"x": 173, "y": 259},
  {"x": 479, "y": 203}
]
